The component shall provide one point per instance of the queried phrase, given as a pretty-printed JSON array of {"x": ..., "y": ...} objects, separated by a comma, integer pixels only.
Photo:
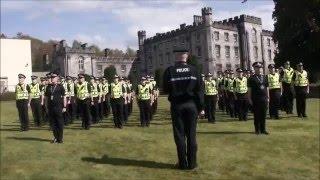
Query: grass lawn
[{"x": 226, "y": 150}]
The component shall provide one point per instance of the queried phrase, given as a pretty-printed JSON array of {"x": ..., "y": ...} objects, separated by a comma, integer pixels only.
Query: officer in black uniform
[
  {"x": 57, "y": 104},
  {"x": 259, "y": 98},
  {"x": 43, "y": 87},
  {"x": 183, "y": 84}
]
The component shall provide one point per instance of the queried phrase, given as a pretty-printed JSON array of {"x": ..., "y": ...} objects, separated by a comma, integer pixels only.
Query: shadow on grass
[
  {"x": 29, "y": 139},
  {"x": 13, "y": 129},
  {"x": 127, "y": 162},
  {"x": 225, "y": 132}
]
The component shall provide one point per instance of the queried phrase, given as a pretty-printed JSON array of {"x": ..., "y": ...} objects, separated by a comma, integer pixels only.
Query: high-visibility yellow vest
[
  {"x": 287, "y": 75},
  {"x": 82, "y": 91},
  {"x": 230, "y": 84},
  {"x": 100, "y": 89},
  {"x": 219, "y": 80},
  {"x": 210, "y": 87},
  {"x": 241, "y": 85},
  {"x": 116, "y": 90},
  {"x": 35, "y": 91},
  {"x": 105, "y": 89},
  {"x": 43, "y": 89},
  {"x": 274, "y": 81},
  {"x": 144, "y": 92},
  {"x": 154, "y": 83},
  {"x": 94, "y": 90},
  {"x": 301, "y": 78},
  {"x": 21, "y": 92},
  {"x": 65, "y": 87},
  {"x": 71, "y": 91}
]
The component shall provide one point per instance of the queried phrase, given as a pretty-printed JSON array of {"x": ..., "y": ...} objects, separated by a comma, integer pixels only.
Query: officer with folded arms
[
  {"x": 210, "y": 97},
  {"x": 34, "y": 100},
  {"x": 241, "y": 95},
  {"x": 185, "y": 88},
  {"x": 288, "y": 91},
  {"x": 275, "y": 91},
  {"x": 143, "y": 94}
]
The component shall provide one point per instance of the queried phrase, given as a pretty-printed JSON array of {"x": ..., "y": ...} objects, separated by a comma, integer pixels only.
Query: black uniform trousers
[
  {"x": 274, "y": 104},
  {"x": 184, "y": 122},
  {"x": 106, "y": 106},
  {"x": 72, "y": 109},
  {"x": 44, "y": 114},
  {"x": 130, "y": 107},
  {"x": 221, "y": 101},
  {"x": 36, "y": 111},
  {"x": 22, "y": 106},
  {"x": 210, "y": 103},
  {"x": 57, "y": 122},
  {"x": 84, "y": 108},
  {"x": 100, "y": 114},
  {"x": 154, "y": 108},
  {"x": 145, "y": 116},
  {"x": 288, "y": 97},
  {"x": 259, "y": 114},
  {"x": 231, "y": 104},
  {"x": 78, "y": 109},
  {"x": 117, "y": 111},
  {"x": 242, "y": 105},
  {"x": 125, "y": 112},
  {"x": 94, "y": 108},
  {"x": 301, "y": 96}
]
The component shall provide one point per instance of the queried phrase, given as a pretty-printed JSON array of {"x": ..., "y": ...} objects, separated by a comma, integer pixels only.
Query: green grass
[{"x": 226, "y": 150}]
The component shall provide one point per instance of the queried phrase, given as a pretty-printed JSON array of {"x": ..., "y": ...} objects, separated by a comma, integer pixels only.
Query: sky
[{"x": 114, "y": 23}]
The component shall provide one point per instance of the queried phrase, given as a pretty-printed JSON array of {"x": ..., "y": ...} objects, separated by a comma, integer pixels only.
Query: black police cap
[
  {"x": 257, "y": 64},
  {"x": 34, "y": 77},
  {"x": 81, "y": 76},
  {"x": 271, "y": 66},
  {"x": 300, "y": 64},
  {"x": 21, "y": 76}
]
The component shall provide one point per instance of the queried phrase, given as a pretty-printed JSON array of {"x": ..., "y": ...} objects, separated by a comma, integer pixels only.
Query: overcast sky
[{"x": 114, "y": 24}]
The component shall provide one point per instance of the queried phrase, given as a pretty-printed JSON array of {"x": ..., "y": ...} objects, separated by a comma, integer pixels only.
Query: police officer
[
  {"x": 83, "y": 91},
  {"x": 105, "y": 97},
  {"x": 185, "y": 88},
  {"x": 230, "y": 94},
  {"x": 57, "y": 104},
  {"x": 154, "y": 89},
  {"x": 259, "y": 98},
  {"x": 34, "y": 100},
  {"x": 143, "y": 94},
  {"x": 210, "y": 97},
  {"x": 71, "y": 100},
  {"x": 225, "y": 96},
  {"x": 274, "y": 92},
  {"x": 117, "y": 94},
  {"x": 301, "y": 86},
  {"x": 220, "y": 91},
  {"x": 126, "y": 99},
  {"x": 95, "y": 98},
  {"x": 130, "y": 96},
  {"x": 43, "y": 87},
  {"x": 287, "y": 87},
  {"x": 66, "y": 117},
  {"x": 22, "y": 97},
  {"x": 241, "y": 96}
]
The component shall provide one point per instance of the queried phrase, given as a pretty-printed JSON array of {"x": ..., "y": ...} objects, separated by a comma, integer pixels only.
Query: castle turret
[
  {"x": 207, "y": 15},
  {"x": 141, "y": 37}
]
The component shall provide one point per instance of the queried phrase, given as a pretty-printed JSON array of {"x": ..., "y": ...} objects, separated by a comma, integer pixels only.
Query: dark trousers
[
  {"x": 288, "y": 97},
  {"x": 84, "y": 108},
  {"x": 210, "y": 103},
  {"x": 117, "y": 111},
  {"x": 221, "y": 101},
  {"x": 301, "y": 96},
  {"x": 56, "y": 118},
  {"x": 274, "y": 104},
  {"x": 242, "y": 106},
  {"x": 36, "y": 111},
  {"x": 125, "y": 112},
  {"x": 106, "y": 106},
  {"x": 22, "y": 106},
  {"x": 259, "y": 115},
  {"x": 100, "y": 110},
  {"x": 78, "y": 109},
  {"x": 72, "y": 109},
  {"x": 184, "y": 122},
  {"x": 144, "y": 107},
  {"x": 95, "y": 110},
  {"x": 130, "y": 108},
  {"x": 44, "y": 114},
  {"x": 231, "y": 103}
]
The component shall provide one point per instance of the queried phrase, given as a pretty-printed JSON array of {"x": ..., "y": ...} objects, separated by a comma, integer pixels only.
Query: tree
[
  {"x": 192, "y": 60},
  {"x": 130, "y": 52},
  {"x": 297, "y": 33},
  {"x": 158, "y": 77},
  {"x": 110, "y": 72}
]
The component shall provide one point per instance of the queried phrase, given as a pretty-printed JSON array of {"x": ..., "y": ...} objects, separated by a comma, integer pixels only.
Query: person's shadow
[
  {"x": 29, "y": 139},
  {"x": 127, "y": 162}
]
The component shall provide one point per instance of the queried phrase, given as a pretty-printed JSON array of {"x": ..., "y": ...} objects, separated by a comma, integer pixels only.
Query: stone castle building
[
  {"x": 217, "y": 45},
  {"x": 70, "y": 61}
]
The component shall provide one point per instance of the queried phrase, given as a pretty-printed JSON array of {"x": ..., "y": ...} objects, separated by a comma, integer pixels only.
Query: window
[
  {"x": 99, "y": 69},
  {"x": 269, "y": 55},
  {"x": 216, "y": 35},
  {"x": 254, "y": 35},
  {"x": 81, "y": 64},
  {"x": 150, "y": 60},
  {"x": 256, "y": 52},
  {"x": 123, "y": 68},
  {"x": 236, "y": 52},
  {"x": 228, "y": 66},
  {"x": 227, "y": 51},
  {"x": 226, "y": 37},
  {"x": 217, "y": 50},
  {"x": 268, "y": 42},
  {"x": 235, "y": 38},
  {"x": 198, "y": 36},
  {"x": 161, "y": 59},
  {"x": 182, "y": 40},
  {"x": 154, "y": 48},
  {"x": 199, "y": 51},
  {"x": 237, "y": 66},
  {"x": 219, "y": 67},
  {"x": 168, "y": 57}
]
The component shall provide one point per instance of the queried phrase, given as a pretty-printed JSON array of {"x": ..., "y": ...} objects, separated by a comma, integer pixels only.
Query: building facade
[
  {"x": 217, "y": 45},
  {"x": 15, "y": 59},
  {"x": 70, "y": 61}
]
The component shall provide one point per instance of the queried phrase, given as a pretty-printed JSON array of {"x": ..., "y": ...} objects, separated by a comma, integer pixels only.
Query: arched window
[
  {"x": 254, "y": 35},
  {"x": 81, "y": 63}
]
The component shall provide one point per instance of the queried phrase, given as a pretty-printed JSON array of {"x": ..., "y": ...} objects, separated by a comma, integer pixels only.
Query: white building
[{"x": 15, "y": 59}]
